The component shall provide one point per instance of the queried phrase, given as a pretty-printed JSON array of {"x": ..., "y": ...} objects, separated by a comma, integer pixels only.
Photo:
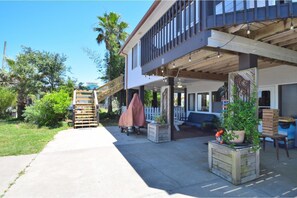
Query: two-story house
[{"x": 195, "y": 44}]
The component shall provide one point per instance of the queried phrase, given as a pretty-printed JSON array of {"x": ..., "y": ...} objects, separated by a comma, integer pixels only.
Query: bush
[
  {"x": 50, "y": 110},
  {"x": 7, "y": 99}
]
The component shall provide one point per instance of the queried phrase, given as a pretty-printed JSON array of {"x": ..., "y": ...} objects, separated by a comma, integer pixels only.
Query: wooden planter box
[
  {"x": 237, "y": 165},
  {"x": 158, "y": 132}
]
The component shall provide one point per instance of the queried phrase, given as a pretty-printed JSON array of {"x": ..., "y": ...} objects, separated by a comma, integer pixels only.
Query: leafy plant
[
  {"x": 242, "y": 115},
  {"x": 50, "y": 110},
  {"x": 7, "y": 98},
  {"x": 160, "y": 119}
]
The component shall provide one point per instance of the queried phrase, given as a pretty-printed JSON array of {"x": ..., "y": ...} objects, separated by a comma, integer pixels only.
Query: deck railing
[
  {"x": 152, "y": 112},
  {"x": 188, "y": 19}
]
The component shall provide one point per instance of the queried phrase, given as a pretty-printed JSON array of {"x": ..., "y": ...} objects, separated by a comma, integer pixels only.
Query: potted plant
[
  {"x": 240, "y": 120},
  {"x": 160, "y": 119},
  {"x": 237, "y": 163},
  {"x": 158, "y": 131}
]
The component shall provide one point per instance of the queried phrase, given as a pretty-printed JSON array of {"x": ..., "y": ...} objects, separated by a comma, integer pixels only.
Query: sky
[{"x": 64, "y": 27}]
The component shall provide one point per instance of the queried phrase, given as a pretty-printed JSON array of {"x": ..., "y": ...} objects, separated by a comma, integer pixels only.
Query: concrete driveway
[{"x": 102, "y": 162}]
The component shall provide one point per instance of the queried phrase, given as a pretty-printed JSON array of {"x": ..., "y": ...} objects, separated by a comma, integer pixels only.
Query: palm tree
[{"x": 111, "y": 32}]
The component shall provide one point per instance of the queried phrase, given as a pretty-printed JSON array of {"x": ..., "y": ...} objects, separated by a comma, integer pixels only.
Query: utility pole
[{"x": 4, "y": 54}]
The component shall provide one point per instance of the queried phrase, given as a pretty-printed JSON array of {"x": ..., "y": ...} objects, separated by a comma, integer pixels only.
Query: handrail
[
  {"x": 96, "y": 106},
  {"x": 74, "y": 97},
  {"x": 111, "y": 83},
  {"x": 95, "y": 98},
  {"x": 110, "y": 88}
]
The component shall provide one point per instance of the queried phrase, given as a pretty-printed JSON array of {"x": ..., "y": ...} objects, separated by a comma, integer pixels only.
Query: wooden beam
[
  {"x": 284, "y": 38},
  {"x": 273, "y": 28},
  {"x": 277, "y": 36},
  {"x": 236, "y": 28},
  {"x": 215, "y": 68},
  {"x": 219, "y": 63},
  {"x": 210, "y": 61},
  {"x": 197, "y": 75},
  {"x": 289, "y": 42},
  {"x": 196, "y": 59},
  {"x": 249, "y": 46}
]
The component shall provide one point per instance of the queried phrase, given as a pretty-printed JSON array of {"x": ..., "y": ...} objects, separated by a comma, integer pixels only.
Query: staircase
[
  {"x": 110, "y": 88},
  {"x": 85, "y": 103},
  {"x": 85, "y": 109}
]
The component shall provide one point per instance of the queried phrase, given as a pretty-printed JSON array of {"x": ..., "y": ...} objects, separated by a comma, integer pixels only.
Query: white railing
[
  {"x": 179, "y": 113},
  {"x": 152, "y": 112},
  {"x": 74, "y": 98}
]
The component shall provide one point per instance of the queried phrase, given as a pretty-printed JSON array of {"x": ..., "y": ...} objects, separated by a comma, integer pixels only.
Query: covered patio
[{"x": 181, "y": 168}]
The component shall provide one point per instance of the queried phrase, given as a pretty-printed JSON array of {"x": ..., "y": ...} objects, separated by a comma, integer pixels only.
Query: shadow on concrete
[{"x": 181, "y": 167}]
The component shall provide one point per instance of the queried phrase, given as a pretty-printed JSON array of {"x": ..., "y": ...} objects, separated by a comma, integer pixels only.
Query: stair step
[
  {"x": 85, "y": 122},
  {"x": 83, "y": 125},
  {"x": 84, "y": 108},
  {"x": 84, "y": 116},
  {"x": 84, "y": 111}
]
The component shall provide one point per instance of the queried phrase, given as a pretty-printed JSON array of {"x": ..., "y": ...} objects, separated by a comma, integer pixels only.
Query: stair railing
[
  {"x": 110, "y": 88},
  {"x": 73, "y": 107},
  {"x": 96, "y": 106}
]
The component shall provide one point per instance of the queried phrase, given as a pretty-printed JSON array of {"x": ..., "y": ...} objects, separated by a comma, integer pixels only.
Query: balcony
[{"x": 185, "y": 27}]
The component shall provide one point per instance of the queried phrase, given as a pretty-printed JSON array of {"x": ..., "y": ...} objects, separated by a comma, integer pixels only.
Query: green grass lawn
[{"x": 18, "y": 138}]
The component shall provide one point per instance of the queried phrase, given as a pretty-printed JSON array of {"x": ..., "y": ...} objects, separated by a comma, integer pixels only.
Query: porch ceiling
[
  {"x": 276, "y": 32},
  {"x": 205, "y": 64},
  {"x": 274, "y": 42}
]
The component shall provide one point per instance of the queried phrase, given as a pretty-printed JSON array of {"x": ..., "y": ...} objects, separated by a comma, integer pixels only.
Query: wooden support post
[
  {"x": 155, "y": 99},
  {"x": 171, "y": 106},
  {"x": 178, "y": 99},
  {"x": 141, "y": 93},
  {"x": 247, "y": 61},
  {"x": 185, "y": 101}
]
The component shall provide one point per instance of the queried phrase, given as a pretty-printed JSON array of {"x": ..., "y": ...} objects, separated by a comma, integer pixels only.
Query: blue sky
[{"x": 64, "y": 27}]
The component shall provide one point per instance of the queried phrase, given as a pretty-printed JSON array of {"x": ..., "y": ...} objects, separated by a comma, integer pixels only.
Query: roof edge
[{"x": 141, "y": 22}]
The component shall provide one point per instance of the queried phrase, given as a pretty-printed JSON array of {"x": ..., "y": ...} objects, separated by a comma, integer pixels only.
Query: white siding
[
  {"x": 269, "y": 79},
  {"x": 135, "y": 77}
]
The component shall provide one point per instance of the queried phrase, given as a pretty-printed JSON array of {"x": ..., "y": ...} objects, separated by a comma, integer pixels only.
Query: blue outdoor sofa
[{"x": 201, "y": 120}]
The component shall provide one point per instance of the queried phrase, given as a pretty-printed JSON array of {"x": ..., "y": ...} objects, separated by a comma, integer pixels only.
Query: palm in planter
[{"x": 241, "y": 116}]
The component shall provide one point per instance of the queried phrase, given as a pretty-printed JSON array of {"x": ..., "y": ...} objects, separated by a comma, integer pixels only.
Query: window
[
  {"x": 191, "y": 102},
  {"x": 203, "y": 102},
  {"x": 287, "y": 100},
  {"x": 264, "y": 101},
  {"x": 216, "y": 102},
  {"x": 134, "y": 56}
]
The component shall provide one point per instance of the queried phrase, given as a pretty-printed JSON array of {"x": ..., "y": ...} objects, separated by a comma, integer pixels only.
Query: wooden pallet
[{"x": 270, "y": 121}]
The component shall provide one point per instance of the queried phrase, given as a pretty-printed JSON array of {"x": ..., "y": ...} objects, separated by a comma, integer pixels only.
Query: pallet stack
[{"x": 270, "y": 121}]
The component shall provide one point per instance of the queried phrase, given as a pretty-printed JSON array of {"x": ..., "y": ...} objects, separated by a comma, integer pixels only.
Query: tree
[
  {"x": 32, "y": 72},
  {"x": 7, "y": 98},
  {"x": 111, "y": 32},
  {"x": 23, "y": 77},
  {"x": 68, "y": 86},
  {"x": 52, "y": 69}
]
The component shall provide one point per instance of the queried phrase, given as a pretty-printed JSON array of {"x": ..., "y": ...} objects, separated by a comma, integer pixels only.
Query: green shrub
[
  {"x": 50, "y": 110},
  {"x": 7, "y": 99}
]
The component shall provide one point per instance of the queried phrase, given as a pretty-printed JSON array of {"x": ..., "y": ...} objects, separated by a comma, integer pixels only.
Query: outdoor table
[{"x": 276, "y": 138}]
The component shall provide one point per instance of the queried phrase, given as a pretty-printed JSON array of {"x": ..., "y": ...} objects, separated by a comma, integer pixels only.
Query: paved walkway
[
  {"x": 10, "y": 169},
  {"x": 102, "y": 162}
]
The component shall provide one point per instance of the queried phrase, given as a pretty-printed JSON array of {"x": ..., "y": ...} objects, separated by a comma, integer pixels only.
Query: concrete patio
[{"x": 102, "y": 162}]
